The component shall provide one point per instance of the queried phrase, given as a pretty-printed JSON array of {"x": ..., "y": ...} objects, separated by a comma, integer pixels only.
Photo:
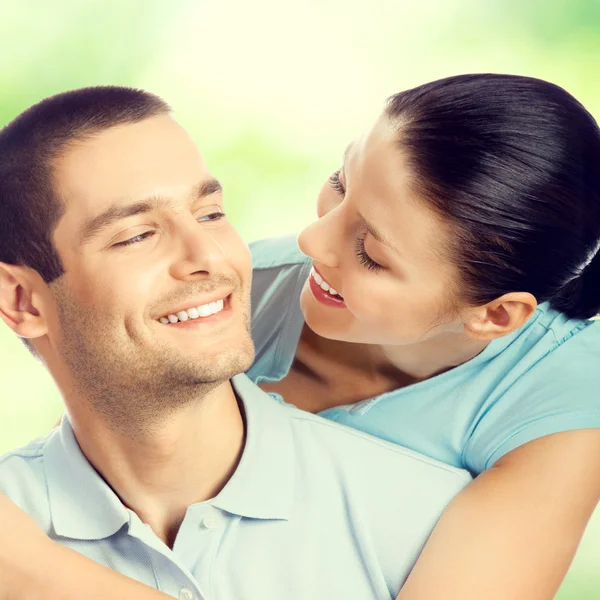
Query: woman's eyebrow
[{"x": 118, "y": 211}]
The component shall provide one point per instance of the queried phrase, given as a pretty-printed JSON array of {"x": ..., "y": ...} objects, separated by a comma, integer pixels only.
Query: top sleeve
[
  {"x": 279, "y": 273},
  {"x": 560, "y": 392}
]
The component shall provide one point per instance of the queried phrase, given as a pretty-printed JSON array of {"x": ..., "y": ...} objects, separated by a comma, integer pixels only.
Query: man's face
[{"x": 144, "y": 238}]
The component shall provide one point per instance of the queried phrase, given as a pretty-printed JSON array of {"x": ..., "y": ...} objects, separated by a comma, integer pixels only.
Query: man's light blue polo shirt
[{"x": 315, "y": 510}]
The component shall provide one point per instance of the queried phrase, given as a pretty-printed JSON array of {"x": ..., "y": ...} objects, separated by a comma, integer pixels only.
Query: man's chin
[{"x": 209, "y": 367}]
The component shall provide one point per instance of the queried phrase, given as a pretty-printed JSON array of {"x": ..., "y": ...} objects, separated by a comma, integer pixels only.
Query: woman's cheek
[
  {"x": 358, "y": 300},
  {"x": 370, "y": 304}
]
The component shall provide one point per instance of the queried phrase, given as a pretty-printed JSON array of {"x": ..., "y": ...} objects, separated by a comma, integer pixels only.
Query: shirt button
[
  {"x": 209, "y": 522},
  {"x": 186, "y": 594}
]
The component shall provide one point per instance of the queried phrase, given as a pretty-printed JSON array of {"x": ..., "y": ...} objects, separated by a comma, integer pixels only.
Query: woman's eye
[
  {"x": 365, "y": 259},
  {"x": 136, "y": 239},
  {"x": 336, "y": 184}
]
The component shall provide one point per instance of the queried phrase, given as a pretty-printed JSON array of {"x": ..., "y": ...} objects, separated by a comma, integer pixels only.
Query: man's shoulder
[
  {"x": 22, "y": 475},
  {"x": 272, "y": 253},
  {"x": 362, "y": 453},
  {"x": 28, "y": 453},
  {"x": 392, "y": 495}
]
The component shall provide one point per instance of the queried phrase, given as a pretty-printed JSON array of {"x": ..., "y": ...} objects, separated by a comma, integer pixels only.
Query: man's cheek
[{"x": 244, "y": 260}]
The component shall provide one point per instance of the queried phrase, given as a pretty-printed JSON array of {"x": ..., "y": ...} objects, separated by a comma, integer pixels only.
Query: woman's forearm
[
  {"x": 513, "y": 532},
  {"x": 66, "y": 575},
  {"x": 33, "y": 567},
  {"x": 58, "y": 573}
]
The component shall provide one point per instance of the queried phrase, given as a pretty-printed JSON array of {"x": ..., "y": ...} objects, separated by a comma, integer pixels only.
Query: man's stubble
[{"x": 133, "y": 386}]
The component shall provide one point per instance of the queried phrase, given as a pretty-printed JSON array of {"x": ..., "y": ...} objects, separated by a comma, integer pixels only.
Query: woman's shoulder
[
  {"x": 546, "y": 381},
  {"x": 279, "y": 273},
  {"x": 275, "y": 253},
  {"x": 557, "y": 346}
]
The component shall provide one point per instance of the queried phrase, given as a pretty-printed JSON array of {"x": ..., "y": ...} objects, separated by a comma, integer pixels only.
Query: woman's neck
[
  {"x": 407, "y": 363},
  {"x": 433, "y": 356},
  {"x": 328, "y": 373}
]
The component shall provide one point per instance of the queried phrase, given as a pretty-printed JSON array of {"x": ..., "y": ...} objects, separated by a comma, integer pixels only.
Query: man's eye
[
  {"x": 136, "y": 239},
  {"x": 213, "y": 216}
]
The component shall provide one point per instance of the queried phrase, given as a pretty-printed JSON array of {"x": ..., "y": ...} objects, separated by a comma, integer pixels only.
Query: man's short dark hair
[{"x": 29, "y": 205}]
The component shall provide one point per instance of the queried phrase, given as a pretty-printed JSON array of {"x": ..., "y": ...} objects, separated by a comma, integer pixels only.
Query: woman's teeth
[
  {"x": 323, "y": 284},
  {"x": 206, "y": 310}
]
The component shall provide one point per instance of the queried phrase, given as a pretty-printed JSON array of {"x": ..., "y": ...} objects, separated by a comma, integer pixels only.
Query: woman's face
[{"x": 381, "y": 248}]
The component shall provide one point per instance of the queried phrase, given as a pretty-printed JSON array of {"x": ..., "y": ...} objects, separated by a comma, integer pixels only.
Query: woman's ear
[
  {"x": 501, "y": 316},
  {"x": 21, "y": 305}
]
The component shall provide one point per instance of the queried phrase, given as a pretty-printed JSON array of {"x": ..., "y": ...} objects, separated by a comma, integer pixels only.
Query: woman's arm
[
  {"x": 514, "y": 531},
  {"x": 33, "y": 567}
]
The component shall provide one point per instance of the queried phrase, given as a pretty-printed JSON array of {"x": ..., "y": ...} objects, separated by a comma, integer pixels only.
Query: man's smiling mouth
[{"x": 195, "y": 312}]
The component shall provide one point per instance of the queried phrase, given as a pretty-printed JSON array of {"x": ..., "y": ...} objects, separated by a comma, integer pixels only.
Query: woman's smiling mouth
[{"x": 323, "y": 292}]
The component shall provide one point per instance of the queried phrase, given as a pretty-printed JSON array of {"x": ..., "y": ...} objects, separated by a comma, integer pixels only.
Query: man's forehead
[{"x": 155, "y": 157}]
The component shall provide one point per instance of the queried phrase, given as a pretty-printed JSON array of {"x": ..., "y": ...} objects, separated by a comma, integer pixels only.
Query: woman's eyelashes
[
  {"x": 359, "y": 246},
  {"x": 364, "y": 258},
  {"x": 336, "y": 184}
]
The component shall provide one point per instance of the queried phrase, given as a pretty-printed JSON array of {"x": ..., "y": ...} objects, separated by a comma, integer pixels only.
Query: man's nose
[{"x": 198, "y": 252}]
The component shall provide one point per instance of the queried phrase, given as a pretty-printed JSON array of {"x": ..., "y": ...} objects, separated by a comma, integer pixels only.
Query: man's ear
[
  {"x": 500, "y": 317},
  {"x": 21, "y": 300}
]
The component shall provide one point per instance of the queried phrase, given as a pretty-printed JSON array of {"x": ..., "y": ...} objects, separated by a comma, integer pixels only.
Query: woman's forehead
[{"x": 381, "y": 185}]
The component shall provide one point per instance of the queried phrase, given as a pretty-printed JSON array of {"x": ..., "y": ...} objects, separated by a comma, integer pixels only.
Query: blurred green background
[{"x": 273, "y": 91}]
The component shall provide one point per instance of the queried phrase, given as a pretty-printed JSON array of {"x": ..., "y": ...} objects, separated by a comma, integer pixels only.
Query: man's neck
[{"x": 187, "y": 458}]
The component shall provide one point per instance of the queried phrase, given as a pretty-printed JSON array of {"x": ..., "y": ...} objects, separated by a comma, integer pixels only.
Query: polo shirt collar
[
  {"x": 262, "y": 486},
  {"x": 83, "y": 506}
]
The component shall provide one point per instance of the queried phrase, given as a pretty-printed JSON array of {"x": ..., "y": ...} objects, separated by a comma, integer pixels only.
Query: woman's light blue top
[{"x": 544, "y": 378}]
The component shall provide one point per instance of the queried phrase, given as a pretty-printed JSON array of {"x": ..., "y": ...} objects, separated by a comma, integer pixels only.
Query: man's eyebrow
[
  {"x": 206, "y": 188},
  {"x": 118, "y": 211},
  {"x": 380, "y": 237}
]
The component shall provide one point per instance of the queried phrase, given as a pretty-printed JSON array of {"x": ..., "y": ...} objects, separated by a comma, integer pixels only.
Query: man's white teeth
[
  {"x": 323, "y": 284},
  {"x": 206, "y": 310}
]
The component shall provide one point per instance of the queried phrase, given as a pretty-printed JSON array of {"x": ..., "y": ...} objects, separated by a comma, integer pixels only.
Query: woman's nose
[{"x": 322, "y": 239}]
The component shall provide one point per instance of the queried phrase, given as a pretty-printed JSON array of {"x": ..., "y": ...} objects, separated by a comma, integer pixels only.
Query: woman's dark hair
[{"x": 513, "y": 165}]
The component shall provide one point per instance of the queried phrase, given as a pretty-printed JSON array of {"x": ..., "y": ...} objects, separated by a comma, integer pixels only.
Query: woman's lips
[{"x": 324, "y": 297}]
